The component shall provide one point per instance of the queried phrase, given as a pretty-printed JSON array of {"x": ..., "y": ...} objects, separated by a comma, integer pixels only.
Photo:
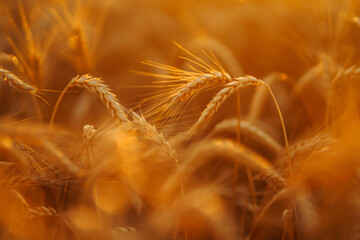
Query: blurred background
[{"x": 125, "y": 184}]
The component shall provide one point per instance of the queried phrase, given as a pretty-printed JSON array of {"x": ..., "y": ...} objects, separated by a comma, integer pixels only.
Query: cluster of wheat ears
[{"x": 205, "y": 151}]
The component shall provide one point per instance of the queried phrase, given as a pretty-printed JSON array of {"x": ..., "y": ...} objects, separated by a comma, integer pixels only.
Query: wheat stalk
[
  {"x": 282, "y": 194},
  {"x": 258, "y": 101},
  {"x": 97, "y": 86}
]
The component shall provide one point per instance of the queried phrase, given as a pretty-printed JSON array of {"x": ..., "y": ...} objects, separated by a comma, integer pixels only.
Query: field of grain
[{"x": 179, "y": 119}]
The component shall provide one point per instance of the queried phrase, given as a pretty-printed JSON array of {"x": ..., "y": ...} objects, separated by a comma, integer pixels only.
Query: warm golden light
[{"x": 179, "y": 119}]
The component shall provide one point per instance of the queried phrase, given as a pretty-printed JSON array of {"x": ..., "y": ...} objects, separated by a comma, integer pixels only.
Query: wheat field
[{"x": 179, "y": 119}]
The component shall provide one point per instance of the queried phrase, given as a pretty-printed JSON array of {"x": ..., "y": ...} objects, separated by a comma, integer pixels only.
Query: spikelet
[
  {"x": 88, "y": 132},
  {"x": 9, "y": 58}
]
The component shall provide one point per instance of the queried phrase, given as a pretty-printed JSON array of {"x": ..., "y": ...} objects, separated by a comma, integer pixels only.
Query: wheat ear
[
  {"x": 246, "y": 157},
  {"x": 258, "y": 102},
  {"x": 351, "y": 72},
  {"x": 16, "y": 83},
  {"x": 97, "y": 86},
  {"x": 185, "y": 84},
  {"x": 40, "y": 211},
  {"x": 231, "y": 151},
  {"x": 230, "y": 125},
  {"x": 149, "y": 131},
  {"x": 220, "y": 98},
  {"x": 199, "y": 83},
  {"x": 62, "y": 158}
]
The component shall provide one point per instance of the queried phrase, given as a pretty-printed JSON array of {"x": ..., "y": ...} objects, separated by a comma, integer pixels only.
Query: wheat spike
[
  {"x": 16, "y": 83},
  {"x": 224, "y": 94},
  {"x": 230, "y": 150},
  {"x": 149, "y": 131},
  {"x": 97, "y": 86},
  {"x": 220, "y": 98},
  {"x": 182, "y": 85},
  {"x": 199, "y": 83},
  {"x": 40, "y": 211},
  {"x": 62, "y": 158},
  {"x": 348, "y": 73},
  {"x": 250, "y": 129}
]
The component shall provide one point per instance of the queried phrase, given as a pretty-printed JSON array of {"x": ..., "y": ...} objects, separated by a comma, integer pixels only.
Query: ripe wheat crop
[{"x": 175, "y": 119}]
